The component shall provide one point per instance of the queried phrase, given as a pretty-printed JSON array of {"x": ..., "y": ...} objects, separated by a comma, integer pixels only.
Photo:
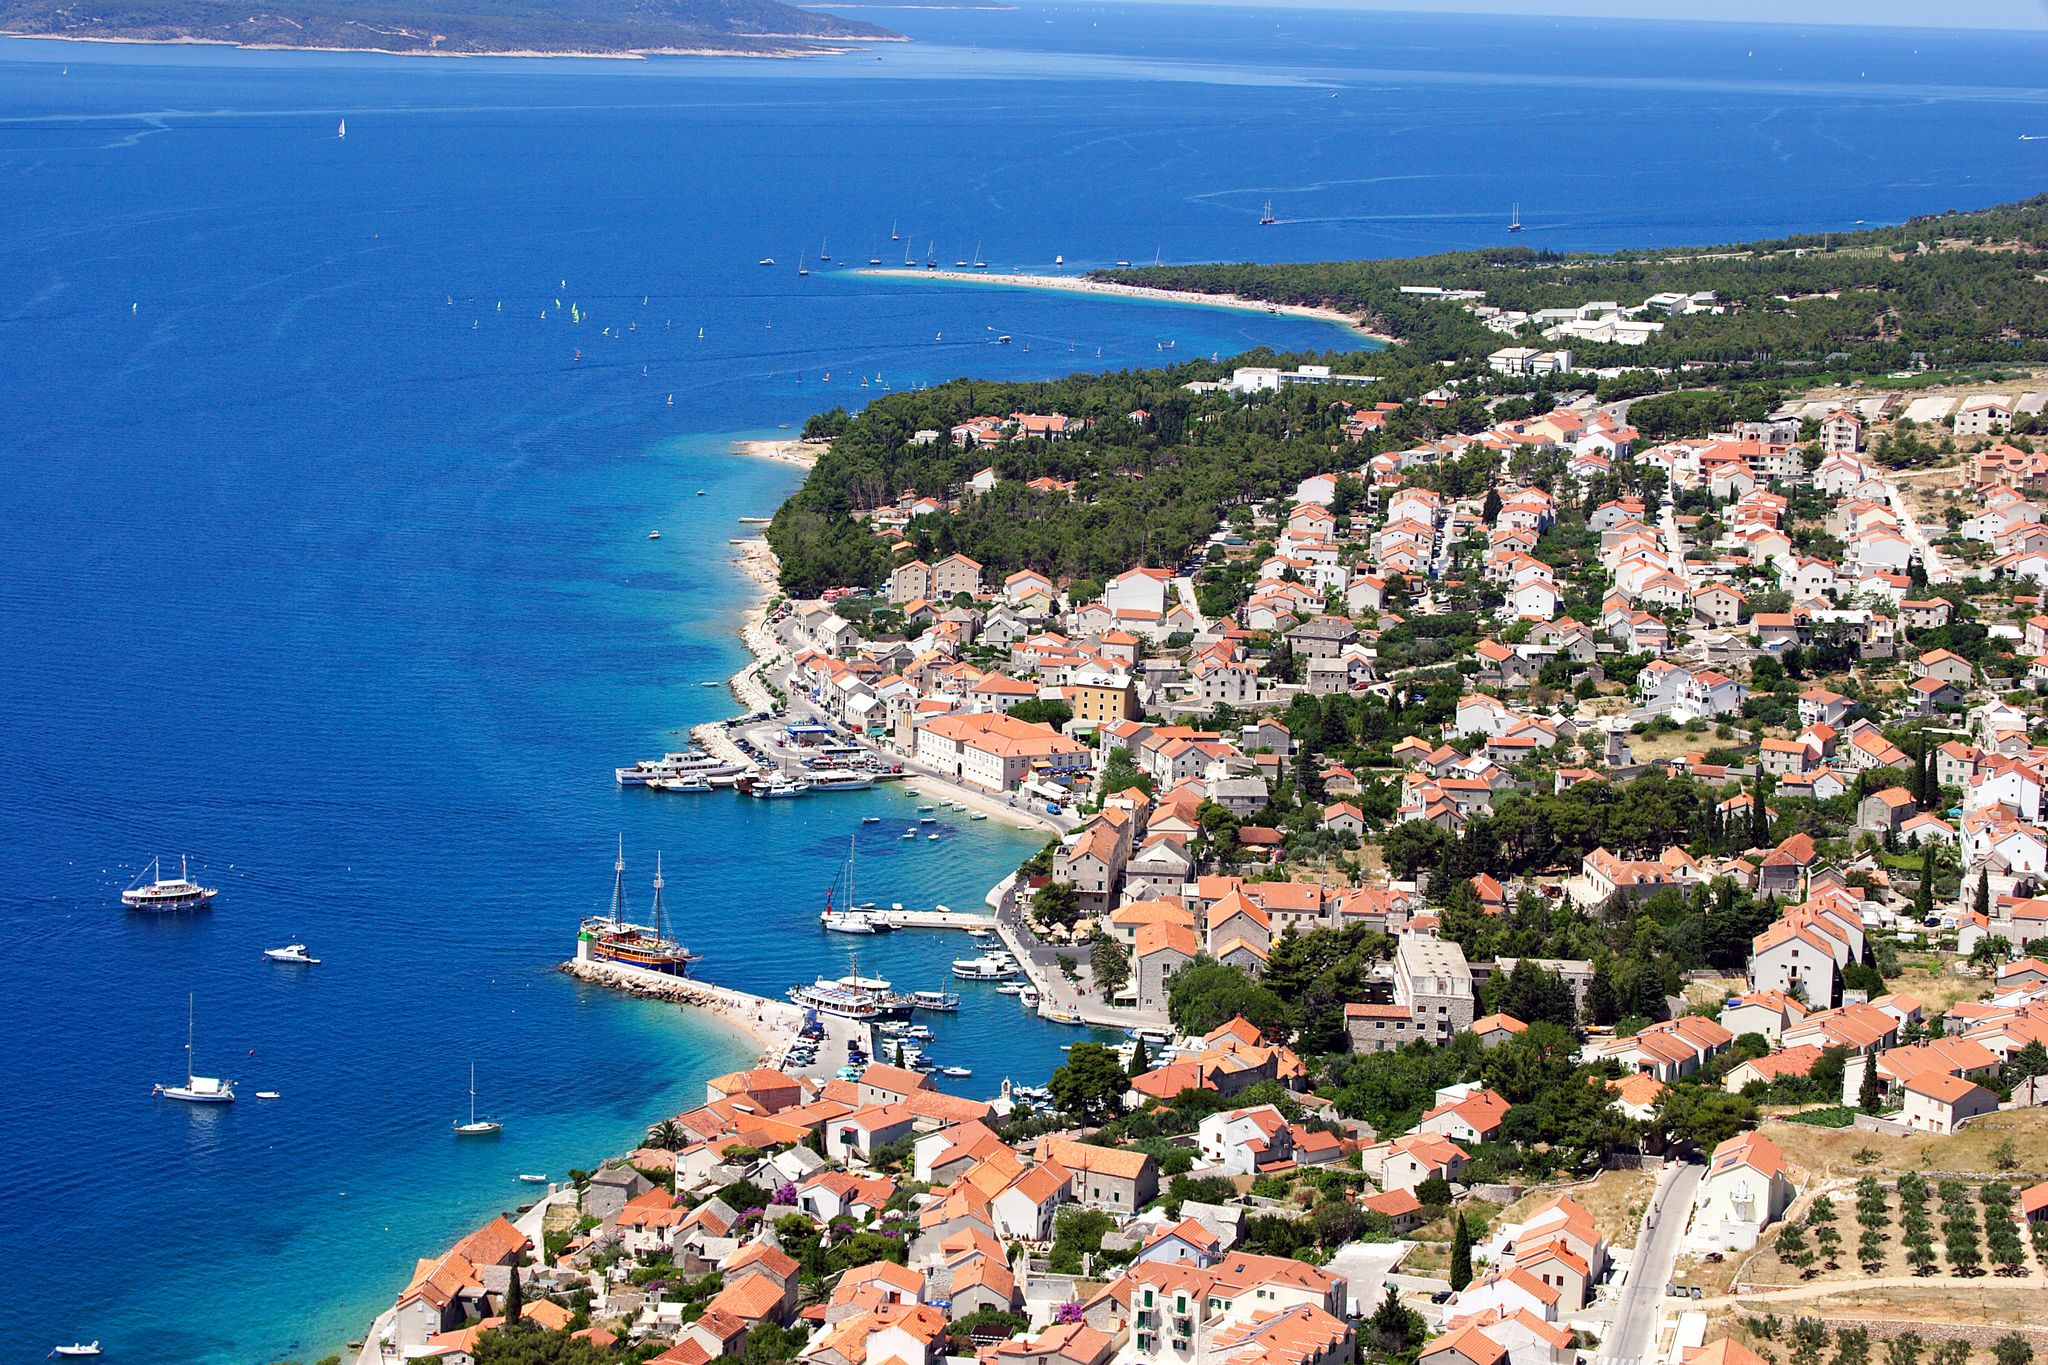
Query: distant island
[{"x": 596, "y": 28}]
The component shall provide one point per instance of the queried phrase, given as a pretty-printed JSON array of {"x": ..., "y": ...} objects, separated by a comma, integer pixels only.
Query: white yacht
[
  {"x": 839, "y": 780},
  {"x": 981, "y": 969},
  {"x": 775, "y": 786},
  {"x": 476, "y": 1127},
  {"x": 197, "y": 1089},
  {"x": 294, "y": 953},
  {"x": 167, "y": 893}
]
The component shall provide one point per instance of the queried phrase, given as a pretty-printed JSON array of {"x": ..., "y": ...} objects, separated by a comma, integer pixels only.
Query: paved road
[
  {"x": 1635, "y": 1317},
  {"x": 1930, "y": 558}
]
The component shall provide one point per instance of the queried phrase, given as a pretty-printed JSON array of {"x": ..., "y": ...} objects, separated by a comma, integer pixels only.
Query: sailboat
[
  {"x": 1515, "y": 219},
  {"x": 342, "y": 133},
  {"x": 1266, "y": 218},
  {"x": 801, "y": 268},
  {"x": 979, "y": 264},
  {"x": 823, "y": 254},
  {"x": 849, "y": 920},
  {"x": 197, "y": 1089},
  {"x": 874, "y": 257},
  {"x": 1059, "y": 262},
  {"x": 476, "y": 1127},
  {"x": 892, "y": 231}
]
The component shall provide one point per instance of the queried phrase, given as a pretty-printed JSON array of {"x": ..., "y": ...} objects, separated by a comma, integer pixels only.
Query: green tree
[
  {"x": 1867, "y": 1096},
  {"x": 1056, "y": 905},
  {"x": 2012, "y": 1349},
  {"x": 1090, "y": 1087},
  {"x": 515, "y": 1297},
  {"x": 1141, "y": 1058},
  {"x": 1461, "y": 1254},
  {"x": 1904, "y": 1349}
]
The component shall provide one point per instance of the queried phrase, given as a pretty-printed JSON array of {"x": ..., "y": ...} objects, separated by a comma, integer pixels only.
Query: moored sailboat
[
  {"x": 476, "y": 1127},
  {"x": 197, "y": 1089}
]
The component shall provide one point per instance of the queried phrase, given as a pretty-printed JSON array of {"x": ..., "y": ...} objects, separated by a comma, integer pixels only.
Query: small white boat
[
  {"x": 767, "y": 260},
  {"x": 956, "y": 1071},
  {"x": 341, "y": 133},
  {"x": 871, "y": 819},
  {"x": 932, "y": 837},
  {"x": 268, "y": 1095},
  {"x": 654, "y": 535},
  {"x": 910, "y": 834},
  {"x": 533, "y": 1179},
  {"x": 476, "y": 1127},
  {"x": 979, "y": 815},
  {"x": 87, "y": 1348},
  {"x": 294, "y": 953},
  {"x": 928, "y": 819}
]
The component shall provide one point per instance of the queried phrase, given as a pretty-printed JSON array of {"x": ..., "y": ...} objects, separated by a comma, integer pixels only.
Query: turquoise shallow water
[{"x": 327, "y": 569}]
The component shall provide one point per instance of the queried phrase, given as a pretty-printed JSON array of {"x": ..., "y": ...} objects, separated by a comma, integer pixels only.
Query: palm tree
[{"x": 666, "y": 1135}]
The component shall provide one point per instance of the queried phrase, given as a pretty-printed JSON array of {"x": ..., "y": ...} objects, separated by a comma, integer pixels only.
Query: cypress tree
[
  {"x": 1983, "y": 905},
  {"x": 1141, "y": 1061},
  {"x": 514, "y": 1297},
  {"x": 1866, "y": 1093},
  {"x": 1461, "y": 1254},
  {"x": 1924, "y": 899}
]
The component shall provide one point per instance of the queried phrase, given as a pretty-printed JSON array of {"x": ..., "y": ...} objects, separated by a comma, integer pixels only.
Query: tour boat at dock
[
  {"x": 939, "y": 1002},
  {"x": 856, "y": 997},
  {"x": 167, "y": 893},
  {"x": 981, "y": 969},
  {"x": 839, "y": 780},
  {"x": 610, "y": 938}
]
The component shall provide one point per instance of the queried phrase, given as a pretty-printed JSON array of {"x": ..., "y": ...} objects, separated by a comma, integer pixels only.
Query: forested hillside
[
  {"x": 1960, "y": 288},
  {"x": 445, "y": 26},
  {"x": 1956, "y": 287},
  {"x": 1146, "y": 490}
]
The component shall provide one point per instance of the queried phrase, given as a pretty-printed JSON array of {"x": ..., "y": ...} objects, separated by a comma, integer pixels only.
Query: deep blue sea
[{"x": 324, "y": 550}]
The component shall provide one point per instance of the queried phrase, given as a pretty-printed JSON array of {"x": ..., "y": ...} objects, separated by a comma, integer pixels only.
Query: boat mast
[
  {"x": 188, "y": 1040},
  {"x": 472, "y": 1094},
  {"x": 660, "y": 927},
  {"x": 619, "y": 884}
]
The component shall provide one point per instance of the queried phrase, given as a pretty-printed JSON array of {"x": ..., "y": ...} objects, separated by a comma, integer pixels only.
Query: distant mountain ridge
[{"x": 457, "y": 27}]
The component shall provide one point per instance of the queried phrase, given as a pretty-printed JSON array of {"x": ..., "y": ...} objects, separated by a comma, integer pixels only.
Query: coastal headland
[{"x": 1082, "y": 284}]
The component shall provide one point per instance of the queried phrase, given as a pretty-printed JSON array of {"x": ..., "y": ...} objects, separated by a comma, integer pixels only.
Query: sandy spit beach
[
  {"x": 1075, "y": 284},
  {"x": 793, "y": 451}
]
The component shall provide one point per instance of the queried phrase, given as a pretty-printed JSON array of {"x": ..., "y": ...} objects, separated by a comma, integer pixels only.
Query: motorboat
[
  {"x": 476, "y": 1127},
  {"x": 1029, "y": 997},
  {"x": 533, "y": 1179},
  {"x": 689, "y": 782},
  {"x": 654, "y": 535},
  {"x": 1010, "y": 988},
  {"x": 87, "y": 1348},
  {"x": 197, "y": 1089},
  {"x": 775, "y": 786},
  {"x": 910, "y": 834},
  {"x": 268, "y": 1095},
  {"x": 871, "y": 819},
  {"x": 167, "y": 893},
  {"x": 956, "y": 1071},
  {"x": 933, "y": 837},
  {"x": 981, "y": 969},
  {"x": 939, "y": 1002},
  {"x": 294, "y": 953},
  {"x": 928, "y": 819}
]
